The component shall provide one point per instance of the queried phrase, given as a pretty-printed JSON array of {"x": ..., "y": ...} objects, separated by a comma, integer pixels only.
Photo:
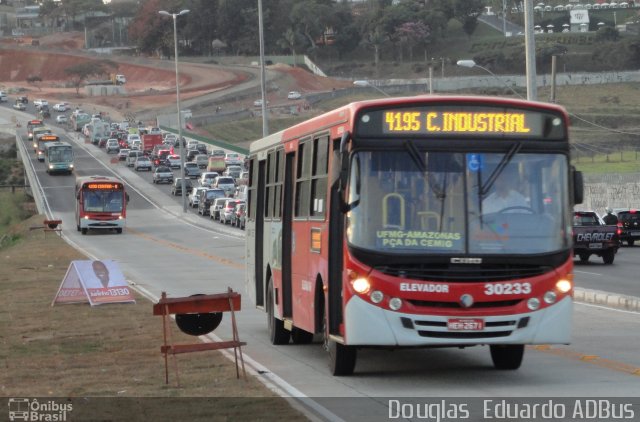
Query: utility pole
[
  {"x": 530, "y": 51},
  {"x": 553, "y": 78}
]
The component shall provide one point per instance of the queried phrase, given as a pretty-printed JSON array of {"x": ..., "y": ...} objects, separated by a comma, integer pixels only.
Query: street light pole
[
  {"x": 180, "y": 143},
  {"x": 263, "y": 77},
  {"x": 471, "y": 64},
  {"x": 367, "y": 83}
]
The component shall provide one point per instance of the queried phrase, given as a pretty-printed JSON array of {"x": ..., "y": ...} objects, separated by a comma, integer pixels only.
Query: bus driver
[{"x": 504, "y": 195}]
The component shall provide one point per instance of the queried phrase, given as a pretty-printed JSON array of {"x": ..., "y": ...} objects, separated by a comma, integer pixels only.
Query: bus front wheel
[
  {"x": 277, "y": 333},
  {"x": 299, "y": 336},
  {"x": 342, "y": 359},
  {"x": 508, "y": 356},
  {"x": 119, "y": 230},
  {"x": 84, "y": 231}
]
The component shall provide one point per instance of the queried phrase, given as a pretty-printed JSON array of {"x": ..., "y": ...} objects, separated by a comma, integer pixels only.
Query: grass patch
[
  {"x": 12, "y": 209},
  {"x": 628, "y": 162},
  {"x": 109, "y": 350}
]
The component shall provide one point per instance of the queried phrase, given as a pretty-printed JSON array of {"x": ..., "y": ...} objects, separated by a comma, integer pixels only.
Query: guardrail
[{"x": 34, "y": 184}]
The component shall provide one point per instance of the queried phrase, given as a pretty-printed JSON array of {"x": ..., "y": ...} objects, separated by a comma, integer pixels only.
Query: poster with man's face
[{"x": 102, "y": 281}]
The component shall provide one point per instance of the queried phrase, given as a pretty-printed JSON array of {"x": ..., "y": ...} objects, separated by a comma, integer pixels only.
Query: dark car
[
  {"x": 201, "y": 148},
  {"x": 629, "y": 225},
  {"x": 23, "y": 99},
  {"x": 176, "y": 189},
  {"x": 191, "y": 154},
  {"x": 207, "y": 197},
  {"x": 162, "y": 174},
  {"x": 102, "y": 142},
  {"x": 218, "y": 153},
  {"x": 239, "y": 215}
]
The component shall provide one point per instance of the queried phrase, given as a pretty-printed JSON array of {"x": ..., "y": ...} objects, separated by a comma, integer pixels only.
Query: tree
[
  {"x": 412, "y": 34},
  {"x": 34, "y": 80},
  {"x": 80, "y": 72},
  {"x": 151, "y": 31}
]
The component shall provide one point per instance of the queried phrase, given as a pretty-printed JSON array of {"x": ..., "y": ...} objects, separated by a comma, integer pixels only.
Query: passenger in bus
[{"x": 504, "y": 196}]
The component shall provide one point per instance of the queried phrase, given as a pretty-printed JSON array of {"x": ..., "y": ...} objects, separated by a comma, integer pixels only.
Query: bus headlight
[
  {"x": 361, "y": 285},
  {"x": 563, "y": 286},
  {"x": 120, "y": 217},
  {"x": 50, "y": 167},
  {"x": 86, "y": 217},
  {"x": 395, "y": 303},
  {"x": 533, "y": 303},
  {"x": 70, "y": 166},
  {"x": 377, "y": 296},
  {"x": 550, "y": 297}
]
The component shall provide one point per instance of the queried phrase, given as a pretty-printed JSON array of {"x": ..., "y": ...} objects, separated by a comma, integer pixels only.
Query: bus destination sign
[
  {"x": 455, "y": 122},
  {"x": 106, "y": 186},
  {"x": 461, "y": 121}
]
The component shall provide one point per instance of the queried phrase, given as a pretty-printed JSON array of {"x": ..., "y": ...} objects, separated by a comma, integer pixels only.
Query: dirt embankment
[{"x": 149, "y": 85}]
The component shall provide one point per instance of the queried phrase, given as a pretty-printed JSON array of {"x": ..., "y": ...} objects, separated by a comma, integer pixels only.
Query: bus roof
[{"x": 58, "y": 144}]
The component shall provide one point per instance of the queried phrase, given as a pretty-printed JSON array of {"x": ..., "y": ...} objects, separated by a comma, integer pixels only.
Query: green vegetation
[{"x": 617, "y": 162}]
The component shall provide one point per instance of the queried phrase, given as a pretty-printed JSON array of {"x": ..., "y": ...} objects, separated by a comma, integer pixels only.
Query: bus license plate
[
  {"x": 595, "y": 245},
  {"x": 465, "y": 324}
]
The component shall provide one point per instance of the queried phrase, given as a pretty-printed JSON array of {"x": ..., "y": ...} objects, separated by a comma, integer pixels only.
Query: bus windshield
[
  {"x": 102, "y": 200},
  {"x": 422, "y": 202},
  {"x": 60, "y": 155}
]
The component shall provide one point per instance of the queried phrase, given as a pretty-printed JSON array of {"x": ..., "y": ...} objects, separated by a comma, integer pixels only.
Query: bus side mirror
[
  {"x": 126, "y": 196},
  {"x": 78, "y": 195},
  {"x": 578, "y": 187}
]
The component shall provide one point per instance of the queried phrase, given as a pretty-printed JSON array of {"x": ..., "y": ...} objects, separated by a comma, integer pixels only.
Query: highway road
[{"x": 164, "y": 250}]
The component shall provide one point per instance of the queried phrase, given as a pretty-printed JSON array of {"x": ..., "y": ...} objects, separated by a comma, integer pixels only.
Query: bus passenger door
[{"x": 287, "y": 236}]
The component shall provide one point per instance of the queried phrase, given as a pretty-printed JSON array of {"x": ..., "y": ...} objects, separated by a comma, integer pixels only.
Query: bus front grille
[{"x": 467, "y": 273}]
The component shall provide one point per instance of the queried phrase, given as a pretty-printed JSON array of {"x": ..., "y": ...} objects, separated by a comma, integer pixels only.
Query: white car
[
  {"x": 39, "y": 102},
  {"x": 61, "y": 107},
  {"x": 294, "y": 95},
  {"x": 173, "y": 161},
  {"x": 258, "y": 103},
  {"x": 194, "y": 196},
  {"x": 233, "y": 159},
  {"x": 142, "y": 163},
  {"x": 112, "y": 146},
  {"x": 61, "y": 119}
]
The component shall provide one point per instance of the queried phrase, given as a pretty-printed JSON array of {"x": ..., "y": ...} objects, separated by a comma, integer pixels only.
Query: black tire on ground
[
  {"x": 342, "y": 359},
  {"x": 608, "y": 256},
  {"x": 277, "y": 332},
  {"x": 84, "y": 231},
  {"x": 508, "y": 356},
  {"x": 630, "y": 242},
  {"x": 584, "y": 257},
  {"x": 119, "y": 230},
  {"x": 299, "y": 336}
]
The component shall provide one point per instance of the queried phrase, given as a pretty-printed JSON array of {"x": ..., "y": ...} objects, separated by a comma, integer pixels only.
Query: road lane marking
[
  {"x": 192, "y": 251},
  {"x": 607, "y": 308},
  {"x": 590, "y": 359},
  {"x": 585, "y": 272}
]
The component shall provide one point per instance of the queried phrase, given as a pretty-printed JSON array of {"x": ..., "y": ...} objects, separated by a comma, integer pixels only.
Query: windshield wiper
[{"x": 506, "y": 159}]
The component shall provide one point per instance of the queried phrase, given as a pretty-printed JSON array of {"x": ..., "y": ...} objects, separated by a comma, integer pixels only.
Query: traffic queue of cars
[{"x": 215, "y": 181}]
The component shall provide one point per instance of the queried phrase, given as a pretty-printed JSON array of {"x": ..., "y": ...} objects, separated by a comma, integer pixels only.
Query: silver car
[
  {"x": 142, "y": 163},
  {"x": 226, "y": 183}
]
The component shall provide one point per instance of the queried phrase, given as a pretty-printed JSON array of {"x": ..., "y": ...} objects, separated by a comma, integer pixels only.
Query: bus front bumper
[{"x": 369, "y": 325}]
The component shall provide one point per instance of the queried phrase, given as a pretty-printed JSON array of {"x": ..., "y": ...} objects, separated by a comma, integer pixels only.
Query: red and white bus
[
  {"x": 31, "y": 124},
  {"x": 101, "y": 203},
  {"x": 374, "y": 224}
]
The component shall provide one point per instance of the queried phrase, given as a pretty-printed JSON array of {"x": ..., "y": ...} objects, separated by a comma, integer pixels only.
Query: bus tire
[
  {"x": 342, "y": 359},
  {"x": 630, "y": 242},
  {"x": 78, "y": 227},
  {"x": 508, "y": 356},
  {"x": 84, "y": 231},
  {"x": 119, "y": 230},
  {"x": 277, "y": 333},
  {"x": 299, "y": 336}
]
